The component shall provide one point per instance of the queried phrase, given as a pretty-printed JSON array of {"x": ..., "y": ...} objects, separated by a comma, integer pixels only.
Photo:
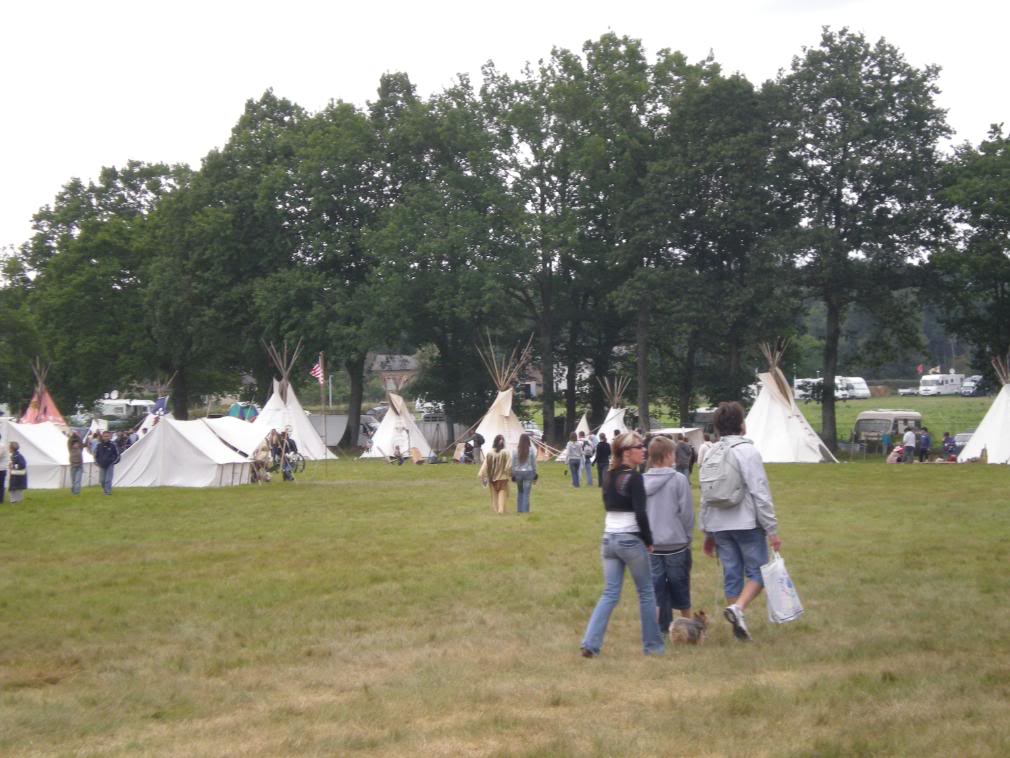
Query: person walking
[
  {"x": 742, "y": 533},
  {"x": 524, "y": 473},
  {"x": 684, "y": 456},
  {"x": 106, "y": 457},
  {"x": 627, "y": 542},
  {"x": 602, "y": 458},
  {"x": 495, "y": 472},
  {"x": 573, "y": 457},
  {"x": 703, "y": 449},
  {"x": 671, "y": 518},
  {"x": 587, "y": 458},
  {"x": 75, "y": 449},
  {"x": 4, "y": 464},
  {"x": 18, "y": 473}
]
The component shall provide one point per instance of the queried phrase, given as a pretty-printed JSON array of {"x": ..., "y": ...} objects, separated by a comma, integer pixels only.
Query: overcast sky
[{"x": 92, "y": 84}]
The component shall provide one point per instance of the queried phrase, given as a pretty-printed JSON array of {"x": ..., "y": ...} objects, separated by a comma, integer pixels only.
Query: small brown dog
[{"x": 690, "y": 631}]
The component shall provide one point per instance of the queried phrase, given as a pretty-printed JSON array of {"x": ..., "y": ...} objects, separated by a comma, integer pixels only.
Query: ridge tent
[
  {"x": 993, "y": 435},
  {"x": 180, "y": 454},
  {"x": 44, "y": 447},
  {"x": 775, "y": 424},
  {"x": 397, "y": 429},
  {"x": 243, "y": 436}
]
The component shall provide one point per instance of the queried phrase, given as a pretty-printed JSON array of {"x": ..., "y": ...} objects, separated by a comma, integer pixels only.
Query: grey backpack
[{"x": 721, "y": 482}]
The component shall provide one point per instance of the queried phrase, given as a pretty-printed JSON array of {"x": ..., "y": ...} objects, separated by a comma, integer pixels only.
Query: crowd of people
[{"x": 917, "y": 445}]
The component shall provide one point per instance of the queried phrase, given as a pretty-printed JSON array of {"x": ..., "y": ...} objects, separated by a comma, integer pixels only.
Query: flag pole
[{"x": 322, "y": 402}]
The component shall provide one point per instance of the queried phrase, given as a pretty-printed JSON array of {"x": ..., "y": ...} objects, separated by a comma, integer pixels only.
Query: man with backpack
[{"x": 737, "y": 514}]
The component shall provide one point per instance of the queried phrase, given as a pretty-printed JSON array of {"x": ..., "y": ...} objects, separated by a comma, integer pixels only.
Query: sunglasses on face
[{"x": 638, "y": 447}]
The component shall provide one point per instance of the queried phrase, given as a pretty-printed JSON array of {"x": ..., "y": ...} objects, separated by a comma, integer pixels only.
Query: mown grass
[
  {"x": 377, "y": 610},
  {"x": 951, "y": 413}
]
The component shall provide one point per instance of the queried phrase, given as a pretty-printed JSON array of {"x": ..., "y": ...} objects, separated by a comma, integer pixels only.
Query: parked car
[
  {"x": 906, "y": 391},
  {"x": 972, "y": 386},
  {"x": 532, "y": 429},
  {"x": 961, "y": 439}
]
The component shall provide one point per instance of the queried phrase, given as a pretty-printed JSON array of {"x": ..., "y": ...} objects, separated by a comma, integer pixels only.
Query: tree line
[{"x": 651, "y": 216}]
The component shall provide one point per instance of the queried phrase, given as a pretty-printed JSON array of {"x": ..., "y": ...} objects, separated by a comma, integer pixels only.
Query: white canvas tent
[
  {"x": 44, "y": 447},
  {"x": 695, "y": 435},
  {"x": 776, "y": 425},
  {"x": 613, "y": 390},
  {"x": 582, "y": 426},
  {"x": 244, "y": 436},
  {"x": 993, "y": 435},
  {"x": 397, "y": 430},
  {"x": 281, "y": 414},
  {"x": 180, "y": 454}
]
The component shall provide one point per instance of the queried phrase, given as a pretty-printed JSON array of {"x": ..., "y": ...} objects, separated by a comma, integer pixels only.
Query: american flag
[{"x": 317, "y": 370}]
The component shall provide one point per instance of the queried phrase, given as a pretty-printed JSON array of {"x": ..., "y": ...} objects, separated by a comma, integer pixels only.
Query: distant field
[{"x": 375, "y": 610}]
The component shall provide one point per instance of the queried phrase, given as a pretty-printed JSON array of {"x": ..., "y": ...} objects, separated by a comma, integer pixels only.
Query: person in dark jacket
[
  {"x": 602, "y": 458},
  {"x": 18, "y": 474},
  {"x": 106, "y": 458},
  {"x": 627, "y": 542},
  {"x": 685, "y": 456}
]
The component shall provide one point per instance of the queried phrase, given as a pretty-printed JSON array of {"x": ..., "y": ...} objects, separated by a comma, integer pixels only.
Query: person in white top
[
  {"x": 908, "y": 446},
  {"x": 703, "y": 449}
]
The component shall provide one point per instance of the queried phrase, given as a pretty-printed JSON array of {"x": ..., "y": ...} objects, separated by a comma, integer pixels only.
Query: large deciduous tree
[{"x": 857, "y": 132}]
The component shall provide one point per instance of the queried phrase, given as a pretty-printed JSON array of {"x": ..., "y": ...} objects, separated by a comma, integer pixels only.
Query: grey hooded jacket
[{"x": 671, "y": 511}]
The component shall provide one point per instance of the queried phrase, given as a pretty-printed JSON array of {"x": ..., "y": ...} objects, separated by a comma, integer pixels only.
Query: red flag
[{"x": 919, "y": 368}]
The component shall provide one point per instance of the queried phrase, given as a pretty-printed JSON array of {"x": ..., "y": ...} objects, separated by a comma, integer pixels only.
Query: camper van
[
  {"x": 806, "y": 389},
  {"x": 940, "y": 384},
  {"x": 858, "y": 390},
  {"x": 872, "y": 425}
]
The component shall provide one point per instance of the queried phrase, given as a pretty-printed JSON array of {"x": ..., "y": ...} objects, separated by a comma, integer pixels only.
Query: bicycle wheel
[{"x": 297, "y": 463}]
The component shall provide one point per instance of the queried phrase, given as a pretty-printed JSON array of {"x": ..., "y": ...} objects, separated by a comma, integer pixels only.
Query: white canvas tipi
[
  {"x": 613, "y": 390},
  {"x": 283, "y": 411},
  {"x": 397, "y": 430},
  {"x": 992, "y": 437},
  {"x": 775, "y": 423},
  {"x": 500, "y": 419},
  {"x": 582, "y": 426}
]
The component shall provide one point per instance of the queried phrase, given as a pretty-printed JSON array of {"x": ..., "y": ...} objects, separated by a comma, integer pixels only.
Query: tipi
[
  {"x": 283, "y": 411},
  {"x": 775, "y": 423},
  {"x": 42, "y": 406},
  {"x": 613, "y": 391},
  {"x": 991, "y": 441},
  {"x": 499, "y": 418},
  {"x": 397, "y": 430},
  {"x": 582, "y": 426}
]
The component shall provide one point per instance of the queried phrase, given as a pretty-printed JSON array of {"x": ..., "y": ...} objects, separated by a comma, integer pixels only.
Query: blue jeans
[
  {"x": 75, "y": 479},
  {"x": 587, "y": 471},
  {"x": 523, "y": 489},
  {"x": 574, "y": 467},
  {"x": 105, "y": 478},
  {"x": 618, "y": 551},
  {"x": 671, "y": 579},
  {"x": 742, "y": 553}
]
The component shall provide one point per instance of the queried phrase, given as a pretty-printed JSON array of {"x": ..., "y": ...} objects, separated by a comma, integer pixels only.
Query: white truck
[{"x": 940, "y": 384}]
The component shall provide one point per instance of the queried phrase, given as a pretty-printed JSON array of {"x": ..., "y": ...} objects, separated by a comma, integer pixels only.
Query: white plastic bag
[{"x": 783, "y": 603}]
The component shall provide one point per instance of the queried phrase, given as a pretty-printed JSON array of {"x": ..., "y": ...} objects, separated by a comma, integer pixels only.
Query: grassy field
[
  {"x": 375, "y": 610},
  {"x": 941, "y": 414}
]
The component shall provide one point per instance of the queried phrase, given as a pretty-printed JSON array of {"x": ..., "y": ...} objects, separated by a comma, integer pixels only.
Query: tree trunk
[
  {"x": 687, "y": 383},
  {"x": 547, "y": 367},
  {"x": 597, "y": 402},
  {"x": 832, "y": 333},
  {"x": 180, "y": 395},
  {"x": 355, "y": 368},
  {"x": 571, "y": 382},
  {"x": 642, "y": 355}
]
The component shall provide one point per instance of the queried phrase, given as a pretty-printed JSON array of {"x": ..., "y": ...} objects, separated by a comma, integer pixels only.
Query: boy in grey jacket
[{"x": 671, "y": 519}]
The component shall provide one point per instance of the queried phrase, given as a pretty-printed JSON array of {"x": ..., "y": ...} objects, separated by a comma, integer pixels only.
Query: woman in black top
[{"x": 627, "y": 541}]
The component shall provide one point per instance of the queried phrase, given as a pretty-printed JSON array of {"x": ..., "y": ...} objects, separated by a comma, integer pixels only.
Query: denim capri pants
[{"x": 742, "y": 553}]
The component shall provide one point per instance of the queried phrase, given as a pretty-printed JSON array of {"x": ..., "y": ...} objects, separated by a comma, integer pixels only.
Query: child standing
[{"x": 671, "y": 516}]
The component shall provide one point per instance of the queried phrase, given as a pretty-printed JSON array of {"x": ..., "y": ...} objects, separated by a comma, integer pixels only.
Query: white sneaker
[{"x": 734, "y": 616}]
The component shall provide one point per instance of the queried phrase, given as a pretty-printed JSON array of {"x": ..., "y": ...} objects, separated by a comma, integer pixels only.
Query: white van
[
  {"x": 871, "y": 426},
  {"x": 940, "y": 384},
  {"x": 857, "y": 387}
]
